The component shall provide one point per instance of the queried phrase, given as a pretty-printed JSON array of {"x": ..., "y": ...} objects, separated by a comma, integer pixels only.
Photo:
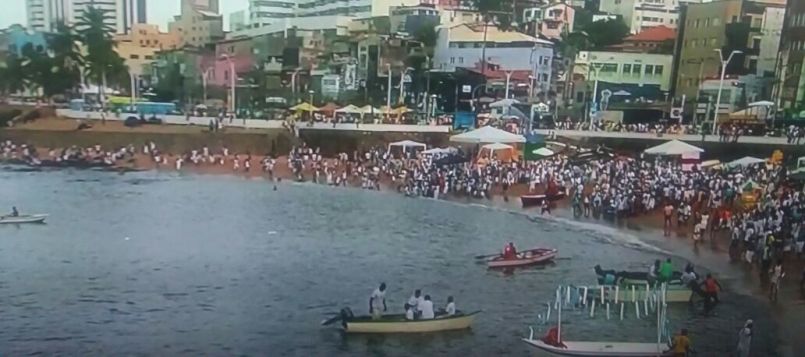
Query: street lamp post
[
  {"x": 204, "y": 77},
  {"x": 133, "y": 89},
  {"x": 232, "y": 79},
  {"x": 724, "y": 65},
  {"x": 508, "y": 80},
  {"x": 388, "y": 90}
]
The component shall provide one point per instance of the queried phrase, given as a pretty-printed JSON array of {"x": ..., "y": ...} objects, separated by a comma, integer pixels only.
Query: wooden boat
[
  {"x": 632, "y": 277},
  {"x": 613, "y": 349},
  {"x": 524, "y": 258},
  {"x": 673, "y": 293},
  {"x": 536, "y": 200},
  {"x": 398, "y": 324},
  {"x": 34, "y": 218},
  {"x": 601, "y": 348}
]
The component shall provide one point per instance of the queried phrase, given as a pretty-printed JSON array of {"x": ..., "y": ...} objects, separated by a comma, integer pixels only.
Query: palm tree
[
  {"x": 101, "y": 60},
  {"x": 12, "y": 76},
  {"x": 65, "y": 45}
]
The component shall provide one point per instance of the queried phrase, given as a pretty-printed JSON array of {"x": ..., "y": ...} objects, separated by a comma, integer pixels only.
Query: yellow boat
[{"x": 398, "y": 324}]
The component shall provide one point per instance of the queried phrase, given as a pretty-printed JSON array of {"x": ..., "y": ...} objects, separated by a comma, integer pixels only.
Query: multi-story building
[
  {"x": 357, "y": 8},
  {"x": 199, "y": 23},
  {"x": 409, "y": 19},
  {"x": 462, "y": 46},
  {"x": 16, "y": 37},
  {"x": 642, "y": 14},
  {"x": 263, "y": 12},
  {"x": 728, "y": 25},
  {"x": 239, "y": 20},
  {"x": 791, "y": 74},
  {"x": 551, "y": 20},
  {"x": 122, "y": 14},
  {"x": 637, "y": 75}
]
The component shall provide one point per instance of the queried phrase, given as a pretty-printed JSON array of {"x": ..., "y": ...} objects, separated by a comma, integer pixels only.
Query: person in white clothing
[
  {"x": 450, "y": 310},
  {"x": 745, "y": 339},
  {"x": 378, "y": 297},
  {"x": 415, "y": 300},
  {"x": 409, "y": 312},
  {"x": 426, "y": 309}
]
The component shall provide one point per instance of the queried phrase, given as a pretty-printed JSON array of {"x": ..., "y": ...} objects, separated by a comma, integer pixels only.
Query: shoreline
[{"x": 741, "y": 280}]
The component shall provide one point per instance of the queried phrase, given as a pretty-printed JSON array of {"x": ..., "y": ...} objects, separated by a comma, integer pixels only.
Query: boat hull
[
  {"x": 606, "y": 349},
  {"x": 674, "y": 293},
  {"x": 541, "y": 255},
  {"x": 37, "y": 218},
  {"x": 536, "y": 200},
  {"x": 398, "y": 324}
]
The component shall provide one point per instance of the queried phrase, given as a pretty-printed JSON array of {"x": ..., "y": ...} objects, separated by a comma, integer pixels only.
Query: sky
[{"x": 159, "y": 11}]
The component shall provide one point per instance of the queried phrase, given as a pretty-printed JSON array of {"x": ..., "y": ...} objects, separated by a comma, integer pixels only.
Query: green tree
[
  {"x": 602, "y": 34},
  {"x": 65, "y": 45},
  {"x": 101, "y": 60},
  {"x": 12, "y": 76}
]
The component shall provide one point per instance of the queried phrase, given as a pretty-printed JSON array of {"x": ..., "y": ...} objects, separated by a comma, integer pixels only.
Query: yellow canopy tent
[{"x": 304, "y": 107}]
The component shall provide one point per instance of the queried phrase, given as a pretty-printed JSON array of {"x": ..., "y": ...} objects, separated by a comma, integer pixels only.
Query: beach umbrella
[
  {"x": 349, "y": 109},
  {"x": 486, "y": 135},
  {"x": 304, "y": 107}
]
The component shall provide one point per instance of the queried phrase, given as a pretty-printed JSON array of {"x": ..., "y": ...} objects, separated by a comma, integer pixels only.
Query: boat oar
[
  {"x": 487, "y": 256},
  {"x": 331, "y": 320}
]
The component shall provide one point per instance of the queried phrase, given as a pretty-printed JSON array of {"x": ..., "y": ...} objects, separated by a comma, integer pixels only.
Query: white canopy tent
[
  {"x": 405, "y": 144},
  {"x": 368, "y": 109},
  {"x": 745, "y": 161},
  {"x": 487, "y": 135},
  {"x": 543, "y": 152},
  {"x": 503, "y": 103},
  {"x": 673, "y": 148},
  {"x": 438, "y": 151},
  {"x": 349, "y": 109}
]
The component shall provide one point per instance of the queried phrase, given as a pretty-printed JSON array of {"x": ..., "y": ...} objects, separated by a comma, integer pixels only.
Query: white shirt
[
  {"x": 409, "y": 314},
  {"x": 451, "y": 309},
  {"x": 426, "y": 307},
  {"x": 377, "y": 299},
  {"x": 414, "y": 301}
]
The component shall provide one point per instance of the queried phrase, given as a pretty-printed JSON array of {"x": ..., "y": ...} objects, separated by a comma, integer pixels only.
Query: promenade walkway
[{"x": 579, "y": 134}]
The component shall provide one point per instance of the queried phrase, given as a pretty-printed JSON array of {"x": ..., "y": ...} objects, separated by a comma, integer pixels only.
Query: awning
[
  {"x": 672, "y": 148},
  {"x": 486, "y": 135},
  {"x": 745, "y": 161}
]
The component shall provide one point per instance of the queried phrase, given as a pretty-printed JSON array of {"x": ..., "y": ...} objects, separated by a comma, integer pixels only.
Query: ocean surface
[{"x": 166, "y": 264}]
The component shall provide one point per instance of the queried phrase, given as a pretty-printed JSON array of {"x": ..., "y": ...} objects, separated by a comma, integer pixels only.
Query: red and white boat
[{"x": 526, "y": 257}]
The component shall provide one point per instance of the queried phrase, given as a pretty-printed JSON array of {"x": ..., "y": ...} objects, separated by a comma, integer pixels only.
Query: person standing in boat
[
  {"x": 426, "y": 309},
  {"x": 509, "y": 252},
  {"x": 377, "y": 298},
  {"x": 14, "y": 212}
]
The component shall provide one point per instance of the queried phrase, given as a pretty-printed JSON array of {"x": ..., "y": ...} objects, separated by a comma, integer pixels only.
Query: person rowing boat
[{"x": 509, "y": 252}]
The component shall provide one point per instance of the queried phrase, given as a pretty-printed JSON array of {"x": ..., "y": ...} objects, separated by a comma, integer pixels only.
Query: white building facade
[
  {"x": 267, "y": 12},
  {"x": 122, "y": 14}
]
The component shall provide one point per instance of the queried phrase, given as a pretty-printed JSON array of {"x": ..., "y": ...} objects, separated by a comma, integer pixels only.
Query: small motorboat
[
  {"x": 536, "y": 200},
  {"x": 524, "y": 258},
  {"x": 34, "y": 218},
  {"x": 632, "y": 277},
  {"x": 398, "y": 324}
]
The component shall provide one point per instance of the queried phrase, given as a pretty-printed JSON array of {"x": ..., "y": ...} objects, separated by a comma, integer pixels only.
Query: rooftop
[
  {"x": 654, "y": 34},
  {"x": 475, "y": 33}
]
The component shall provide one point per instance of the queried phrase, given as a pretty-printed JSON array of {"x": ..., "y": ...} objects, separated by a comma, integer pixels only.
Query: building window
[
  {"x": 756, "y": 43},
  {"x": 636, "y": 69},
  {"x": 461, "y": 60},
  {"x": 649, "y": 69},
  {"x": 658, "y": 70},
  {"x": 609, "y": 68},
  {"x": 452, "y": 60},
  {"x": 134, "y": 57},
  {"x": 149, "y": 57},
  {"x": 627, "y": 68}
]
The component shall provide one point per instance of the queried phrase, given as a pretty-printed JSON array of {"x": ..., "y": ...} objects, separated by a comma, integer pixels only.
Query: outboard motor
[{"x": 346, "y": 315}]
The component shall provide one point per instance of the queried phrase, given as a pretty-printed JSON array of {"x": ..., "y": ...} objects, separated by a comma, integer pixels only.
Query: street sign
[
  {"x": 676, "y": 113},
  {"x": 466, "y": 88}
]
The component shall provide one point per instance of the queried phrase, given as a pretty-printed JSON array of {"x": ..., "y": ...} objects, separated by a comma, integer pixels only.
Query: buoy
[
  {"x": 645, "y": 307},
  {"x": 637, "y": 309},
  {"x": 568, "y": 295},
  {"x": 607, "y": 311},
  {"x": 548, "y": 315},
  {"x": 617, "y": 291},
  {"x": 592, "y": 310},
  {"x": 621, "y": 311},
  {"x": 634, "y": 294}
]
